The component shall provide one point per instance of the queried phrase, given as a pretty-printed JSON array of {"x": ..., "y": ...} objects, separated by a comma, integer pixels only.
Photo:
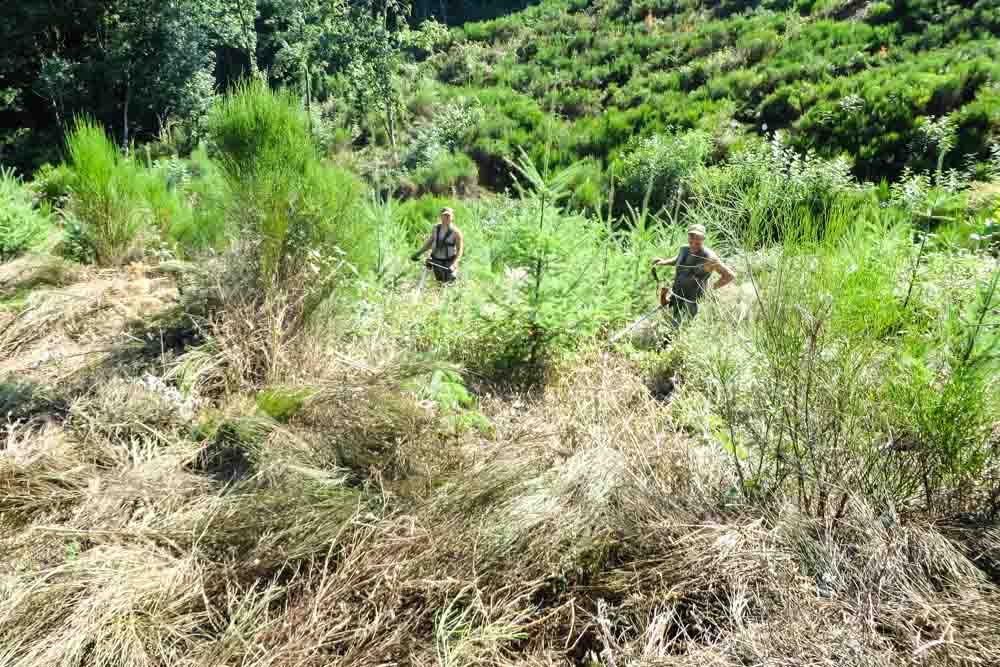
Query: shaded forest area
[{"x": 135, "y": 64}]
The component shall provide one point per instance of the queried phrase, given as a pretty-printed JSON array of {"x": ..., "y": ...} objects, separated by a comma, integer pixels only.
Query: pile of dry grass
[
  {"x": 782, "y": 588},
  {"x": 73, "y": 319}
]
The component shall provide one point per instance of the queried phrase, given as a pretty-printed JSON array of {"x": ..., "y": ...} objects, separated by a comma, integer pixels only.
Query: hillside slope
[
  {"x": 841, "y": 77},
  {"x": 241, "y": 430}
]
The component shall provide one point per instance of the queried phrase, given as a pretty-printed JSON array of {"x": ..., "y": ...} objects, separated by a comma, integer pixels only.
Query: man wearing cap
[
  {"x": 446, "y": 246},
  {"x": 694, "y": 264}
]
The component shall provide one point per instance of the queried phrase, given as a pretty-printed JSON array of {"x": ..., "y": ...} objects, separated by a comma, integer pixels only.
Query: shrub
[
  {"x": 770, "y": 192},
  {"x": 836, "y": 391},
  {"x": 202, "y": 228},
  {"x": 586, "y": 186},
  {"x": 879, "y": 12},
  {"x": 793, "y": 396},
  {"x": 22, "y": 225},
  {"x": 942, "y": 403},
  {"x": 53, "y": 183},
  {"x": 446, "y": 132},
  {"x": 75, "y": 245},
  {"x": 163, "y": 191},
  {"x": 284, "y": 204},
  {"x": 255, "y": 129},
  {"x": 107, "y": 195},
  {"x": 447, "y": 174},
  {"x": 299, "y": 225},
  {"x": 660, "y": 165},
  {"x": 557, "y": 293}
]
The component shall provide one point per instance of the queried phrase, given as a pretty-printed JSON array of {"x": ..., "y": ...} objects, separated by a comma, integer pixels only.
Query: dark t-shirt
[{"x": 691, "y": 276}]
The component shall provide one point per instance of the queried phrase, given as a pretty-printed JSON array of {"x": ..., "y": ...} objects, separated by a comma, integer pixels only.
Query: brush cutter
[
  {"x": 429, "y": 264},
  {"x": 423, "y": 278},
  {"x": 427, "y": 269},
  {"x": 665, "y": 298}
]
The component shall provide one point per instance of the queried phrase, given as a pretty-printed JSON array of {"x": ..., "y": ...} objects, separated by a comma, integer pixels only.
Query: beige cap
[
  {"x": 697, "y": 230},
  {"x": 448, "y": 211}
]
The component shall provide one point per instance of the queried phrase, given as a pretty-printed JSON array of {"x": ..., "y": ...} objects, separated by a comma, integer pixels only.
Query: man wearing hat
[
  {"x": 446, "y": 246},
  {"x": 694, "y": 265}
]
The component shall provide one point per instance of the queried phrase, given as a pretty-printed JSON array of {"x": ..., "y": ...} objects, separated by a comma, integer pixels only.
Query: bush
[
  {"x": 660, "y": 165},
  {"x": 256, "y": 129},
  {"x": 879, "y": 12},
  {"x": 447, "y": 131},
  {"x": 792, "y": 398},
  {"x": 53, "y": 184},
  {"x": 204, "y": 227},
  {"x": 447, "y": 174},
  {"x": 162, "y": 189},
  {"x": 300, "y": 226},
  {"x": 770, "y": 192},
  {"x": 836, "y": 391},
  {"x": 75, "y": 245},
  {"x": 587, "y": 187},
  {"x": 283, "y": 202},
  {"x": 22, "y": 225},
  {"x": 107, "y": 197},
  {"x": 560, "y": 289}
]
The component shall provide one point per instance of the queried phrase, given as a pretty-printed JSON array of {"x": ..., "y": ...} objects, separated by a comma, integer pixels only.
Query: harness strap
[
  {"x": 446, "y": 242},
  {"x": 685, "y": 253}
]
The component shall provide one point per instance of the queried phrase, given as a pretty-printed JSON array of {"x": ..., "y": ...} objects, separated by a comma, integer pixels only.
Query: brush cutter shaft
[
  {"x": 636, "y": 323},
  {"x": 645, "y": 317},
  {"x": 440, "y": 266}
]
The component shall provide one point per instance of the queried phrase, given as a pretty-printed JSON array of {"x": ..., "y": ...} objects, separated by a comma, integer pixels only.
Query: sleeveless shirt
[
  {"x": 445, "y": 245},
  {"x": 691, "y": 277}
]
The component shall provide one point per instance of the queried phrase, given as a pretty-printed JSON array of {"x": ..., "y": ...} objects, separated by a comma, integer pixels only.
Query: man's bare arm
[
  {"x": 665, "y": 262},
  {"x": 726, "y": 274}
]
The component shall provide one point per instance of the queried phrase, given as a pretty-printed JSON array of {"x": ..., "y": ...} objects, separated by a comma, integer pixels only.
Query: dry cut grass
[{"x": 156, "y": 528}]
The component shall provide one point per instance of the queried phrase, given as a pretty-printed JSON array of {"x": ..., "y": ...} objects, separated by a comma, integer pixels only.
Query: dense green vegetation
[
  {"x": 243, "y": 428},
  {"x": 842, "y": 78}
]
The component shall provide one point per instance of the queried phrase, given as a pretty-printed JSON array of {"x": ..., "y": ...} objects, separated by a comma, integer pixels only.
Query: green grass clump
[
  {"x": 282, "y": 403},
  {"x": 255, "y": 129},
  {"x": 297, "y": 215},
  {"x": 107, "y": 195}
]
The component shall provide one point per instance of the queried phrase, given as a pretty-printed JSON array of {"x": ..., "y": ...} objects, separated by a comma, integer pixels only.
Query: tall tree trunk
[
  {"x": 309, "y": 100},
  {"x": 390, "y": 123},
  {"x": 55, "y": 109},
  {"x": 128, "y": 100},
  {"x": 247, "y": 27}
]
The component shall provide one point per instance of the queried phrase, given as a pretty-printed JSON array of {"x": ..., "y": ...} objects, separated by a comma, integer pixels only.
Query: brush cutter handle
[
  {"x": 665, "y": 293},
  {"x": 429, "y": 263}
]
